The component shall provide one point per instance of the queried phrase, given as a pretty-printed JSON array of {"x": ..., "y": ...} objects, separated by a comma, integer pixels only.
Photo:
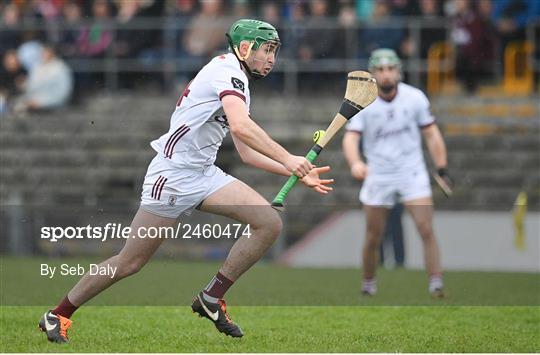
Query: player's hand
[
  {"x": 313, "y": 181},
  {"x": 298, "y": 165},
  {"x": 446, "y": 183},
  {"x": 359, "y": 170}
]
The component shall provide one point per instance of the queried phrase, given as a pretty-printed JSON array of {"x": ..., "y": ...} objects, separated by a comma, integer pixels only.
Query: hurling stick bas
[{"x": 361, "y": 91}]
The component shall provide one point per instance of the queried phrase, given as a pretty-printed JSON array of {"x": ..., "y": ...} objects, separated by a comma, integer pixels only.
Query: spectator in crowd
[
  {"x": 49, "y": 84},
  {"x": 403, "y": 7},
  {"x": 364, "y": 9},
  {"x": 205, "y": 32},
  {"x": 241, "y": 9},
  {"x": 319, "y": 39},
  {"x": 346, "y": 39},
  {"x": 431, "y": 13},
  {"x": 347, "y": 15},
  {"x": 12, "y": 76},
  {"x": 475, "y": 42},
  {"x": 71, "y": 21},
  {"x": 180, "y": 13},
  {"x": 382, "y": 30},
  {"x": 511, "y": 17},
  {"x": 296, "y": 13},
  {"x": 94, "y": 40},
  {"x": 30, "y": 51},
  {"x": 10, "y": 37}
]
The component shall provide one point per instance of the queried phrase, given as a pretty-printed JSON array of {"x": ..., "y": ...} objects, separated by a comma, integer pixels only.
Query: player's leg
[
  {"x": 238, "y": 201},
  {"x": 375, "y": 223},
  {"x": 133, "y": 256},
  {"x": 421, "y": 211}
]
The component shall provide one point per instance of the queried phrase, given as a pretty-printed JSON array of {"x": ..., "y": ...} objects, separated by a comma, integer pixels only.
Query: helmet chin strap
[{"x": 252, "y": 75}]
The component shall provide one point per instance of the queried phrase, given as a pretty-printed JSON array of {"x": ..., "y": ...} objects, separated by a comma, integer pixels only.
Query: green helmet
[
  {"x": 383, "y": 56},
  {"x": 257, "y": 33},
  {"x": 254, "y": 31}
]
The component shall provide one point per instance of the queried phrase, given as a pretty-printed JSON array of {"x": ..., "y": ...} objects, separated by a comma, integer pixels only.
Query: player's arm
[
  {"x": 258, "y": 160},
  {"x": 254, "y": 158},
  {"x": 247, "y": 131},
  {"x": 350, "y": 145},
  {"x": 435, "y": 144},
  {"x": 437, "y": 150}
]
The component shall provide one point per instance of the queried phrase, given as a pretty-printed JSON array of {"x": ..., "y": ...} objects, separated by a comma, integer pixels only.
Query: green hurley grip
[{"x": 280, "y": 197}]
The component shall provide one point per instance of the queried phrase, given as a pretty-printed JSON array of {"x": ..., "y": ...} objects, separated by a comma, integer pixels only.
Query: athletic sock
[
  {"x": 435, "y": 282},
  {"x": 65, "y": 308},
  {"x": 217, "y": 288},
  {"x": 369, "y": 286}
]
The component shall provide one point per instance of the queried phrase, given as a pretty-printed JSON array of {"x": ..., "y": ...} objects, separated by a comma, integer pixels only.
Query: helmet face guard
[{"x": 261, "y": 36}]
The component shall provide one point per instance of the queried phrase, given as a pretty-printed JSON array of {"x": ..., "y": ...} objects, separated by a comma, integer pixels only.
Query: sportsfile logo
[{"x": 118, "y": 231}]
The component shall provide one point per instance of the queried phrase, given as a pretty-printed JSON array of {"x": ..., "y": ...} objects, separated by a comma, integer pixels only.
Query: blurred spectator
[
  {"x": 30, "y": 51},
  {"x": 128, "y": 42},
  {"x": 475, "y": 41},
  {"x": 512, "y": 16},
  {"x": 297, "y": 18},
  {"x": 206, "y": 30},
  {"x": 46, "y": 10},
  {"x": 94, "y": 40},
  {"x": 71, "y": 20},
  {"x": 402, "y": 7},
  {"x": 346, "y": 39},
  {"x": 10, "y": 38},
  {"x": 49, "y": 84},
  {"x": 12, "y": 75},
  {"x": 241, "y": 9},
  {"x": 346, "y": 14},
  {"x": 319, "y": 38},
  {"x": 270, "y": 12},
  {"x": 382, "y": 31},
  {"x": 364, "y": 9},
  {"x": 435, "y": 31}
]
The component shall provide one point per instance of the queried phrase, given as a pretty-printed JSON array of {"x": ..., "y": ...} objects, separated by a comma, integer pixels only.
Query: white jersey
[
  {"x": 391, "y": 133},
  {"x": 198, "y": 124}
]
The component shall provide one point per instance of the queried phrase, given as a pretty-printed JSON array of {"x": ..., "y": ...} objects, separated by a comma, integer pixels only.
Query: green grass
[
  {"x": 172, "y": 283},
  {"x": 284, "y": 329},
  {"x": 485, "y": 312}
]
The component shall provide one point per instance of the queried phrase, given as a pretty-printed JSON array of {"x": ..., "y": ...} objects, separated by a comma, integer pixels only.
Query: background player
[
  {"x": 392, "y": 128},
  {"x": 183, "y": 176}
]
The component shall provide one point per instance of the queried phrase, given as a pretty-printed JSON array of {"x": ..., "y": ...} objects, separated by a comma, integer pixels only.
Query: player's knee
[
  {"x": 274, "y": 225},
  {"x": 425, "y": 230},
  {"x": 130, "y": 266},
  {"x": 372, "y": 241},
  {"x": 268, "y": 224}
]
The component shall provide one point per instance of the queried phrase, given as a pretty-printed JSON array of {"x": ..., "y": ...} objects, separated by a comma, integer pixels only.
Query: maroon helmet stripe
[
  {"x": 161, "y": 188},
  {"x": 155, "y": 185},
  {"x": 171, "y": 147},
  {"x": 172, "y": 136}
]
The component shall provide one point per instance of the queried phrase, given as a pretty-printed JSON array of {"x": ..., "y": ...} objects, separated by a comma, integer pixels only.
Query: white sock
[
  {"x": 435, "y": 283},
  {"x": 369, "y": 286}
]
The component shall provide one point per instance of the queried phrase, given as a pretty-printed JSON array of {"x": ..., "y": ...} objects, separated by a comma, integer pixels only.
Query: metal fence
[{"x": 168, "y": 63}]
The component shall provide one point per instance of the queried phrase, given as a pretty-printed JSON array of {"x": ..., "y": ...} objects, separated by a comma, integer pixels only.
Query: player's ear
[{"x": 244, "y": 48}]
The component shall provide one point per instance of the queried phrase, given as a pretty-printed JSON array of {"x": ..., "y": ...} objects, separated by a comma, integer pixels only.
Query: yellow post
[{"x": 520, "y": 212}]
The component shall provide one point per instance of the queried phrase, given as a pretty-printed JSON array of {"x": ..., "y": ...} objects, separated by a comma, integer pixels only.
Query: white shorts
[
  {"x": 384, "y": 191},
  {"x": 169, "y": 191}
]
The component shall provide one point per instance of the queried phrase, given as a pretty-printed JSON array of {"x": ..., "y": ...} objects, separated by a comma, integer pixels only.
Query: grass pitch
[{"x": 280, "y": 310}]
